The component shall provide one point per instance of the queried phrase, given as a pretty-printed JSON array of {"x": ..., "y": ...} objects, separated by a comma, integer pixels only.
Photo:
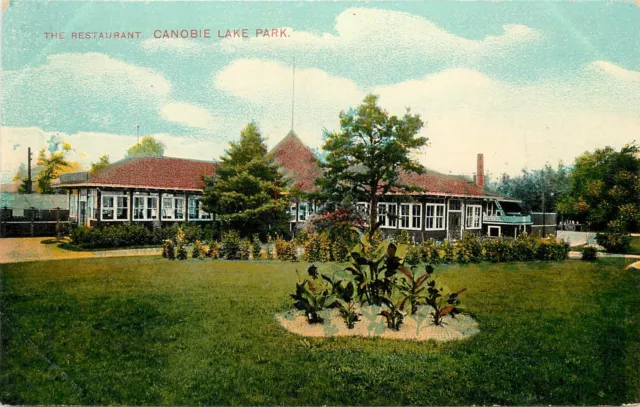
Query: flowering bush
[
  {"x": 285, "y": 250},
  {"x": 199, "y": 250},
  {"x": 468, "y": 250},
  {"x": 168, "y": 250},
  {"x": 318, "y": 247},
  {"x": 213, "y": 250}
]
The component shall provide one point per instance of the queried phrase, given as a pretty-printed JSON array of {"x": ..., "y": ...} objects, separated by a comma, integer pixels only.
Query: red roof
[
  {"x": 298, "y": 162},
  {"x": 155, "y": 172},
  {"x": 436, "y": 183}
]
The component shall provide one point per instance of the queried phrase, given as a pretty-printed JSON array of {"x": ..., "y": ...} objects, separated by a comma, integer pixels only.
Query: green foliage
[
  {"x": 344, "y": 293},
  {"x": 213, "y": 250},
  {"x": 414, "y": 256},
  {"x": 148, "y": 146},
  {"x": 169, "y": 249},
  {"x": 531, "y": 184},
  {"x": 102, "y": 163},
  {"x": 363, "y": 161},
  {"x": 442, "y": 301},
  {"x": 552, "y": 249},
  {"x": 605, "y": 189},
  {"x": 285, "y": 250},
  {"x": 373, "y": 268},
  {"x": 181, "y": 252},
  {"x": 231, "y": 245},
  {"x": 446, "y": 252},
  {"x": 51, "y": 167},
  {"x": 340, "y": 250},
  {"x": 403, "y": 238},
  {"x": 312, "y": 296},
  {"x": 199, "y": 251},
  {"x": 243, "y": 191},
  {"x": 318, "y": 247},
  {"x": 412, "y": 287},
  {"x": 394, "y": 314},
  {"x": 256, "y": 247},
  {"x": 245, "y": 249},
  {"x": 589, "y": 253},
  {"x": 467, "y": 250},
  {"x": 614, "y": 242}
]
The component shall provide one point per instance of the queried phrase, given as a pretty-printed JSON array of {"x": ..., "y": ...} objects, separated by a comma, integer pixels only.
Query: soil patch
[{"x": 417, "y": 327}]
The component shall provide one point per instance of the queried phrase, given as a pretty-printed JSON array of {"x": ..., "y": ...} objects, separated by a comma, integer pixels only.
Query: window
[
  {"x": 145, "y": 207},
  {"x": 363, "y": 208},
  {"x": 434, "y": 217},
  {"x": 114, "y": 206},
  {"x": 491, "y": 209},
  {"x": 387, "y": 215},
  {"x": 302, "y": 212},
  {"x": 410, "y": 216},
  {"x": 455, "y": 205},
  {"x": 494, "y": 231},
  {"x": 292, "y": 212},
  {"x": 194, "y": 211},
  {"x": 473, "y": 216},
  {"x": 172, "y": 207},
  {"x": 90, "y": 205},
  {"x": 73, "y": 205}
]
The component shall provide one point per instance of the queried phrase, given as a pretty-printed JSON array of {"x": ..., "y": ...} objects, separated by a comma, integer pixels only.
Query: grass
[
  {"x": 144, "y": 330},
  {"x": 75, "y": 248}
]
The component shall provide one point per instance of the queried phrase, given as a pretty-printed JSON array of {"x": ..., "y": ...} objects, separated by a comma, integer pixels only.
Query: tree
[
  {"x": 531, "y": 184},
  {"x": 605, "y": 189},
  {"x": 364, "y": 160},
  {"x": 52, "y": 166},
  {"x": 245, "y": 191},
  {"x": 21, "y": 179},
  {"x": 147, "y": 147},
  {"x": 101, "y": 164}
]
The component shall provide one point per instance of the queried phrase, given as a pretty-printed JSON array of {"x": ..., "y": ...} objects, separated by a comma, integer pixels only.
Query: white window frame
[
  {"x": 303, "y": 211},
  {"x": 492, "y": 208},
  {"x": 73, "y": 205},
  {"x": 473, "y": 217},
  {"x": 408, "y": 218},
  {"x": 116, "y": 206},
  {"x": 91, "y": 204},
  {"x": 199, "y": 213},
  {"x": 494, "y": 227},
  {"x": 145, "y": 207},
  {"x": 169, "y": 213},
  {"x": 389, "y": 222},
  {"x": 437, "y": 220},
  {"x": 292, "y": 212}
]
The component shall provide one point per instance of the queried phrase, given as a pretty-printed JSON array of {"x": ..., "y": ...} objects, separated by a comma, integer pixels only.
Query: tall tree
[
  {"x": 245, "y": 191},
  {"x": 147, "y": 147},
  {"x": 530, "y": 185},
  {"x": 99, "y": 165},
  {"x": 364, "y": 160},
  {"x": 605, "y": 189},
  {"x": 52, "y": 165}
]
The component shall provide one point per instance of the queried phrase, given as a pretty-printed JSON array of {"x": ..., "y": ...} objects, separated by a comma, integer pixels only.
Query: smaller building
[{"x": 146, "y": 190}]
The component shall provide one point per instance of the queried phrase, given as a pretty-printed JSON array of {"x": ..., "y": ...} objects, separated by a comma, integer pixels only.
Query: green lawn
[{"x": 144, "y": 330}]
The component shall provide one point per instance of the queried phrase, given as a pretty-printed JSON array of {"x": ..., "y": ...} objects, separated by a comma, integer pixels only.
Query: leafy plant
[
  {"x": 318, "y": 247},
  {"x": 412, "y": 288},
  {"x": 245, "y": 249},
  {"x": 312, "y": 296},
  {"x": 614, "y": 242},
  {"x": 213, "y": 250},
  {"x": 181, "y": 252},
  {"x": 344, "y": 292},
  {"x": 442, "y": 301},
  {"x": 373, "y": 268},
  {"x": 168, "y": 249},
  {"x": 285, "y": 250},
  {"x": 394, "y": 314},
  {"x": 199, "y": 250},
  {"x": 231, "y": 246},
  {"x": 256, "y": 247},
  {"x": 589, "y": 253},
  {"x": 403, "y": 238}
]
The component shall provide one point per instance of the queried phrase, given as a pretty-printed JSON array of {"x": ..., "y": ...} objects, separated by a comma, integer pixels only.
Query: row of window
[
  {"x": 115, "y": 206},
  {"x": 410, "y": 215}
]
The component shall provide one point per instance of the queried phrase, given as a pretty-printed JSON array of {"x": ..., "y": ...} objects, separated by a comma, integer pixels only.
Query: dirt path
[{"x": 15, "y": 250}]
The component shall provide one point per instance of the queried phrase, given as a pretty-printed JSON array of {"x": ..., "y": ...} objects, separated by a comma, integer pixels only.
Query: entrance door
[
  {"x": 455, "y": 225},
  {"x": 82, "y": 214}
]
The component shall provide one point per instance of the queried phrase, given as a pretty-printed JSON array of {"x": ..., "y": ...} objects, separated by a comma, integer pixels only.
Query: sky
[{"x": 525, "y": 83}]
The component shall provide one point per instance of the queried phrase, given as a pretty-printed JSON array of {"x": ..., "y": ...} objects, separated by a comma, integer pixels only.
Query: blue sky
[{"x": 522, "y": 82}]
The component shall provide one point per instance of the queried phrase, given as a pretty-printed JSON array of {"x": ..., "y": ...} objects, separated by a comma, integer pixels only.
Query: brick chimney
[{"x": 479, "y": 177}]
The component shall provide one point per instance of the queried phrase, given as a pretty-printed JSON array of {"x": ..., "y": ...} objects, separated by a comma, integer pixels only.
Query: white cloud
[
  {"x": 89, "y": 74},
  {"x": 267, "y": 86},
  {"x": 467, "y": 112},
  {"x": 88, "y": 146},
  {"x": 391, "y": 33},
  {"x": 616, "y": 71},
  {"x": 188, "y": 115}
]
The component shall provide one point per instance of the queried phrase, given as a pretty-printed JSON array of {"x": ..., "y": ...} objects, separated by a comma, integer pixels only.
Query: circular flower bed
[{"x": 418, "y": 327}]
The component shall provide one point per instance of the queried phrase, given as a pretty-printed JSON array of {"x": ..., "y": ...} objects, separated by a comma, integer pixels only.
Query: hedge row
[{"x": 124, "y": 235}]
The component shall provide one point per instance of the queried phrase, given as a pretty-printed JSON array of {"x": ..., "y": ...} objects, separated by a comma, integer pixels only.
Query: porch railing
[{"x": 509, "y": 219}]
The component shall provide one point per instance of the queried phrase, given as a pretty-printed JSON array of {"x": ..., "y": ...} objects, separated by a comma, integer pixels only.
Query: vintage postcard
[{"x": 320, "y": 203}]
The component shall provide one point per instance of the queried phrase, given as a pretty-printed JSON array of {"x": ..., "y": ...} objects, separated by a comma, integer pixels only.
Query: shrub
[
  {"x": 429, "y": 252},
  {"x": 526, "y": 247},
  {"x": 112, "y": 236},
  {"x": 552, "y": 249},
  {"x": 285, "y": 250},
  {"x": 340, "y": 250},
  {"x": 301, "y": 237},
  {"x": 589, "y": 253},
  {"x": 491, "y": 250},
  {"x": 256, "y": 247},
  {"x": 230, "y": 248},
  {"x": 318, "y": 247},
  {"x": 245, "y": 249},
  {"x": 442, "y": 301},
  {"x": 199, "y": 250},
  {"x": 181, "y": 252},
  {"x": 213, "y": 250},
  {"x": 394, "y": 313},
  {"x": 445, "y": 252},
  {"x": 168, "y": 249},
  {"x": 468, "y": 250},
  {"x": 614, "y": 242},
  {"x": 311, "y": 295},
  {"x": 414, "y": 256},
  {"x": 403, "y": 238}
]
